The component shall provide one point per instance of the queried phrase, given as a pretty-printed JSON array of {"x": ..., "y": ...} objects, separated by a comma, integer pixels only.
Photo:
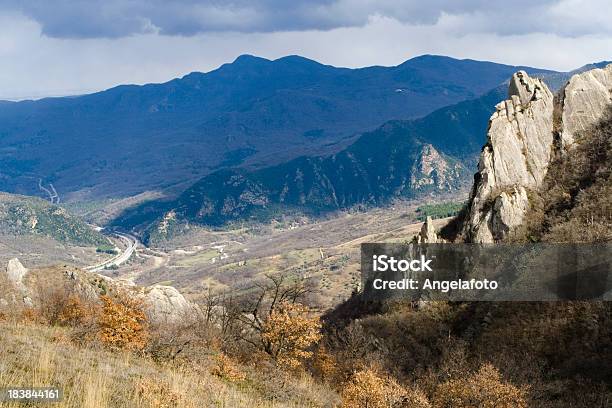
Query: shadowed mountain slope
[
  {"x": 253, "y": 111},
  {"x": 399, "y": 159}
]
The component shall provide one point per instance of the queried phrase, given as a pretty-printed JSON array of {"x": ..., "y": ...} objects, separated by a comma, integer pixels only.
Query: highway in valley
[{"x": 131, "y": 243}]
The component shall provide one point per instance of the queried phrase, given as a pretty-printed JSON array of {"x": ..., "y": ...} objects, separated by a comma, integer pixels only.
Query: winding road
[{"x": 131, "y": 243}]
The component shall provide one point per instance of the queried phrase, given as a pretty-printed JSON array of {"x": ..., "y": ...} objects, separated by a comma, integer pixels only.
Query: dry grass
[{"x": 35, "y": 355}]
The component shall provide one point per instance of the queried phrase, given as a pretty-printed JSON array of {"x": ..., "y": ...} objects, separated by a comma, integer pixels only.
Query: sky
[{"x": 67, "y": 47}]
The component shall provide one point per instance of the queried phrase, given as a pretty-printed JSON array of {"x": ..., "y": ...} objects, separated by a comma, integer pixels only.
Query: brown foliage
[
  {"x": 75, "y": 311},
  {"x": 483, "y": 389},
  {"x": 123, "y": 323},
  {"x": 575, "y": 201},
  {"x": 30, "y": 315},
  {"x": 289, "y": 332},
  {"x": 53, "y": 300},
  {"x": 324, "y": 364},
  {"x": 227, "y": 369},
  {"x": 368, "y": 389},
  {"x": 159, "y": 395},
  {"x": 270, "y": 320}
]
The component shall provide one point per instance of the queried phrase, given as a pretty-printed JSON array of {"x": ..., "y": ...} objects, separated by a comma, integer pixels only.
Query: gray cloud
[
  {"x": 121, "y": 18},
  {"x": 35, "y": 65}
]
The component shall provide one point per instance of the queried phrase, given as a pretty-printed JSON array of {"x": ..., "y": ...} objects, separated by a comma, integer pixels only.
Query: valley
[
  {"x": 300, "y": 215},
  {"x": 326, "y": 251}
]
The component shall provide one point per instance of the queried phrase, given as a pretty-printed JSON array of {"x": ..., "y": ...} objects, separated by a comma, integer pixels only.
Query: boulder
[
  {"x": 15, "y": 272},
  {"x": 166, "y": 304},
  {"x": 427, "y": 235}
]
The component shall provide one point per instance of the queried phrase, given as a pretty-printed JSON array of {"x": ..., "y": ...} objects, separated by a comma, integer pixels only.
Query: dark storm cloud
[{"x": 120, "y": 18}]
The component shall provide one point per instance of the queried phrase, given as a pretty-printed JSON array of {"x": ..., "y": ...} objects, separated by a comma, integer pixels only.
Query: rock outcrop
[
  {"x": 514, "y": 159},
  {"x": 431, "y": 170},
  {"x": 165, "y": 304},
  {"x": 583, "y": 101},
  {"x": 521, "y": 142},
  {"x": 428, "y": 234},
  {"x": 17, "y": 291},
  {"x": 15, "y": 272}
]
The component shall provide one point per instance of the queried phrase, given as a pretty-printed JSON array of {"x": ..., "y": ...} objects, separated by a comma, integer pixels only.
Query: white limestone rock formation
[
  {"x": 583, "y": 101},
  {"x": 165, "y": 304},
  {"x": 428, "y": 234},
  {"x": 15, "y": 272},
  {"x": 525, "y": 133},
  {"x": 19, "y": 293},
  {"x": 514, "y": 159}
]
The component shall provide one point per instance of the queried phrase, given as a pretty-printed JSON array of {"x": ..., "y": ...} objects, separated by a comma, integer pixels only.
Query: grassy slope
[
  {"x": 34, "y": 355},
  {"x": 575, "y": 203}
]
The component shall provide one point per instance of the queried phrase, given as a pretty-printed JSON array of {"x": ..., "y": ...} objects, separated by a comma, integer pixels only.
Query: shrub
[
  {"x": 159, "y": 394},
  {"x": 484, "y": 388},
  {"x": 289, "y": 332},
  {"x": 123, "y": 323},
  {"x": 226, "y": 368},
  {"x": 324, "y": 364},
  {"x": 367, "y": 389},
  {"x": 74, "y": 311},
  {"x": 30, "y": 315},
  {"x": 52, "y": 300}
]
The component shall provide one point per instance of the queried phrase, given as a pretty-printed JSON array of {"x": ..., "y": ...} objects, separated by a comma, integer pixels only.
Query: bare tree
[{"x": 255, "y": 310}]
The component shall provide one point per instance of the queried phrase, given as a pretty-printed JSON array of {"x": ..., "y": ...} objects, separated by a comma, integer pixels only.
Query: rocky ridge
[
  {"x": 163, "y": 304},
  {"x": 525, "y": 133},
  {"x": 31, "y": 216}
]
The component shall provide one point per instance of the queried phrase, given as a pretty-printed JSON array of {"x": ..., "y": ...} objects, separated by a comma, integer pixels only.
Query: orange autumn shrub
[
  {"x": 74, "y": 312},
  {"x": 367, "y": 388},
  {"x": 484, "y": 388},
  {"x": 226, "y": 368},
  {"x": 289, "y": 333},
  {"x": 123, "y": 324}
]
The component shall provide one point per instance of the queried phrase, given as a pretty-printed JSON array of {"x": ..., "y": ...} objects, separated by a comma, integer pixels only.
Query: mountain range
[
  {"x": 257, "y": 136},
  {"x": 253, "y": 112}
]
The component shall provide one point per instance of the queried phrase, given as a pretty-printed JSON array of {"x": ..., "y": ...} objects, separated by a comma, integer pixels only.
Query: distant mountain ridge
[
  {"x": 401, "y": 159},
  {"x": 253, "y": 111}
]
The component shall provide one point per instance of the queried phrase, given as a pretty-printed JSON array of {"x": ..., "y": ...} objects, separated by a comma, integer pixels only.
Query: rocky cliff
[{"x": 525, "y": 133}]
